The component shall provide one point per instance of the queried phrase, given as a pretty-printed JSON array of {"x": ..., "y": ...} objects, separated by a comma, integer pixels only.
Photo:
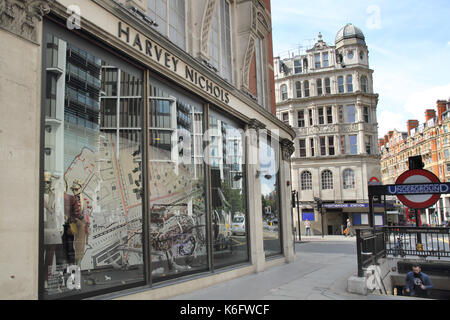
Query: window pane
[
  {"x": 349, "y": 83},
  {"x": 325, "y": 59},
  {"x": 297, "y": 66},
  {"x": 341, "y": 84},
  {"x": 317, "y": 60},
  {"x": 353, "y": 144},
  {"x": 92, "y": 184},
  {"x": 306, "y": 85},
  {"x": 229, "y": 216},
  {"x": 302, "y": 145},
  {"x": 269, "y": 154},
  {"x": 298, "y": 89},
  {"x": 176, "y": 187},
  {"x": 306, "y": 180},
  {"x": 351, "y": 114}
]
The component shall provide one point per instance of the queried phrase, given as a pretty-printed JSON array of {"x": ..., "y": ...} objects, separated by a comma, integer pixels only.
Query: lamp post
[{"x": 295, "y": 203}]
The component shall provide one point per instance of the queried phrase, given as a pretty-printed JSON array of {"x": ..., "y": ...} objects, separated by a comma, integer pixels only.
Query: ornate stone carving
[
  {"x": 206, "y": 26},
  {"x": 21, "y": 16},
  {"x": 353, "y": 127},
  {"x": 256, "y": 124},
  {"x": 247, "y": 61},
  {"x": 287, "y": 149}
]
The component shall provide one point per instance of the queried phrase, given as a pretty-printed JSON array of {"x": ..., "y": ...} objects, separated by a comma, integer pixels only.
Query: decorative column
[
  {"x": 256, "y": 235},
  {"x": 287, "y": 149}
]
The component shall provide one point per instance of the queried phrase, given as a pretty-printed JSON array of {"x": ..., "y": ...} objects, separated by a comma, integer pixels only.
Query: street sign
[{"x": 418, "y": 188}]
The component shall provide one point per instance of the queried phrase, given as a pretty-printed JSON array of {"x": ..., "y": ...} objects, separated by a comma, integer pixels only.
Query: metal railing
[
  {"x": 421, "y": 242},
  {"x": 370, "y": 246},
  {"x": 417, "y": 241}
]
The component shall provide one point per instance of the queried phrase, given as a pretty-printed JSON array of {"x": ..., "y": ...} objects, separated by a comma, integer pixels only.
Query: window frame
[
  {"x": 326, "y": 180},
  {"x": 306, "y": 180}
]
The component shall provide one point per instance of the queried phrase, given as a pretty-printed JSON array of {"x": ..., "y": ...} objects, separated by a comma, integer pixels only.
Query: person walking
[
  {"x": 308, "y": 227},
  {"x": 350, "y": 231},
  {"x": 417, "y": 283}
]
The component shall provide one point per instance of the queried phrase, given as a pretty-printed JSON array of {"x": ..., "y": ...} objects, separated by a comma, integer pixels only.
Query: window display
[
  {"x": 226, "y": 150},
  {"x": 92, "y": 214},
  {"x": 177, "y": 184},
  {"x": 269, "y": 165}
]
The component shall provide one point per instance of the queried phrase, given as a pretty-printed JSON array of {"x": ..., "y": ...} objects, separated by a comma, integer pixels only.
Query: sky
[{"x": 408, "y": 42}]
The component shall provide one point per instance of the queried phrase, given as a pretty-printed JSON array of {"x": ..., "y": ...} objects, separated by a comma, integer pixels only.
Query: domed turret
[{"x": 349, "y": 31}]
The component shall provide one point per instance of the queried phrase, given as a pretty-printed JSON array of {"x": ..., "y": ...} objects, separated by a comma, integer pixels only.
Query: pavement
[{"x": 319, "y": 272}]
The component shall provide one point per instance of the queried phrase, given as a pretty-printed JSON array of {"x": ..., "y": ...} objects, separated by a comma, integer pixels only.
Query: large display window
[
  {"x": 269, "y": 155},
  {"x": 92, "y": 215},
  {"x": 229, "y": 215},
  {"x": 142, "y": 181},
  {"x": 176, "y": 192}
]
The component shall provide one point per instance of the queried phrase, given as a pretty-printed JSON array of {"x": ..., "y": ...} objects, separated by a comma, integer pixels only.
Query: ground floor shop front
[
  {"x": 129, "y": 175},
  {"x": 332, "y": 219}
]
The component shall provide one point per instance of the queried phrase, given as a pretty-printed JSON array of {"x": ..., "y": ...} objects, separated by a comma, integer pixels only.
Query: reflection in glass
[
  {"x": 229, "y": 215},
  {"x": 92, "y": 202},
  {"x": 176, "y": 187},
  {"x": 268, "y": 155}
]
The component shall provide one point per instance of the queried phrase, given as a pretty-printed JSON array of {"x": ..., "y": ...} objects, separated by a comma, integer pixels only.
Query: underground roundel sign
[{"x": 418, "y": 176}]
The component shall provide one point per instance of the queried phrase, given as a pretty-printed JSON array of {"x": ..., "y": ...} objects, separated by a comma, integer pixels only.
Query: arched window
[
  {"x": 283, "y": 90},
  {"x": 306, "y": 86},
  {"x": 327, "y": 180},
  {"x": 349, "y": 179},
  {"x": 298, "y": 89},
  {"x": 319, "y": 87},
  {"x": 306, "y": 180},
  {"x": 364, "y": 84}
]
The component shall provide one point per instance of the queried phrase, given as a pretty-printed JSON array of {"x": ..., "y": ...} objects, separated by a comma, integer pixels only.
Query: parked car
[{"x": 238, "y": 225}]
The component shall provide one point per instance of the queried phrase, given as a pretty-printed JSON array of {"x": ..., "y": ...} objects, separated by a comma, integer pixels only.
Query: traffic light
[
  {"x": 293, "y": 193},
  {"x": 415, "y": 162}
]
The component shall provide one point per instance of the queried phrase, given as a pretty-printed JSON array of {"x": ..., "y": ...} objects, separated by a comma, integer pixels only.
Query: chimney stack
[
  {"x": 412, "y": 124},
  {"x": 441, "y": 108},
  {"x": 430, "y": 114}
]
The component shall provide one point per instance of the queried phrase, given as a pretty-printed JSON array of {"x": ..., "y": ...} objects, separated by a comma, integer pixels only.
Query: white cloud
[
  {"x": 413, "y": 107},
  {"x": 417, "y": 102},
  {"x": 388, "y": 121}
]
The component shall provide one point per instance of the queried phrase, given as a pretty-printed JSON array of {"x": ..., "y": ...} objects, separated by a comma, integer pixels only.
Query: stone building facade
[
  {"x": 143, "y": 136},
  {"x": 327, "y": 96}
]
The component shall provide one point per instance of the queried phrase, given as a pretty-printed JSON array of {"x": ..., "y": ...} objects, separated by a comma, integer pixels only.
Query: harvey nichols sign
[{"x": 169, "y": 61}]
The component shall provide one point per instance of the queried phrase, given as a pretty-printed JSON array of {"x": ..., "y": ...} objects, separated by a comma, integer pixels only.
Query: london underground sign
[{"x": 418, "y": 188}]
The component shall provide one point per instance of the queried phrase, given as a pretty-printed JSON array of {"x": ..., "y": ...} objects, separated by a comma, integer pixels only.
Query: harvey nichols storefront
[{"x": 152, "y": 170}]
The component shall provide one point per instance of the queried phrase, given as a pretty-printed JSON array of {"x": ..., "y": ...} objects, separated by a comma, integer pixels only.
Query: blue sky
[{"x": 408, "y": 41}]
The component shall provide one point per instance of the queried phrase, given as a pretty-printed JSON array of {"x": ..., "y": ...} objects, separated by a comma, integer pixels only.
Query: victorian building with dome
[{"x": 326, "y": 94}]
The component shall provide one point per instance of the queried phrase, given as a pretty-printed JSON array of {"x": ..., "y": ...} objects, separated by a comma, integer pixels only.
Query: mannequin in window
[
  {"x": 52, "y": 225},
  {"x": 77, "y": 226}
]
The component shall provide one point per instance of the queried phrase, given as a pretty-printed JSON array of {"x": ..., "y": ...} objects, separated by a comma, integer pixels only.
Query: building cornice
[
  {"x": 315, "y": 74},
  {"x": 327, "y": 97}
]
